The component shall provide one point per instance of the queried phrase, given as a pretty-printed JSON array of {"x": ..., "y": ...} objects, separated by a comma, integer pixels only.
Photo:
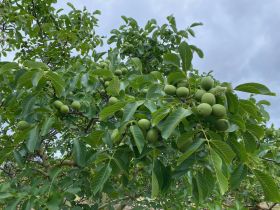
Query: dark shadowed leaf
[
  {"x": 138, "y": 137},
  {"x": 99, "y": 178},
  {"x": 172, "y": 121}
]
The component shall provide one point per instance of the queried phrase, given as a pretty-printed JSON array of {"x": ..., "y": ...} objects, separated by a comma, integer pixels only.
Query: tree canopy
[{"x": 135, "y": 125}]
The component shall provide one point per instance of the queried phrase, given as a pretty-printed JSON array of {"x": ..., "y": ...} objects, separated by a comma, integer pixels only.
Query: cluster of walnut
[{"x": 206, "y": 97}]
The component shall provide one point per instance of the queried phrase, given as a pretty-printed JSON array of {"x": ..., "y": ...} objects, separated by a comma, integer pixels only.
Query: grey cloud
[{"x": 240, "y": 38}]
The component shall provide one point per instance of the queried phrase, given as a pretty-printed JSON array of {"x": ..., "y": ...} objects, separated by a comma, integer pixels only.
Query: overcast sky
[{"x": 240, "y": 38}]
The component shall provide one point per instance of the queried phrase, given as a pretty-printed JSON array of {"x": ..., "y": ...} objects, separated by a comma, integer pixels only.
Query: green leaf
[
  {"x": 130, "y": 109},
  {"x": 47, "y": 125},
  {"x": 191, "y": 32},
  {"x": 196, "y": 144},
  {"x": 5, "y": 195},
  {"x": 33, "y": 139},
  {"x": 110, "y": 110},
  {"x": 186, "y": 55},
  {"x": 136, "y": 62},
  {"x": 79, "y": 152},
  {"x": 196, "y": 24},
  {"x": 54, "y": 201},
  {"x": 37, "y": 77},
  {"x": 27, "y": 105},
  {"x": 172, "y": 121},
  {"x": 138, "y": 137},
  {"x": 18, "y": 158},
  {"x": 185, "y": 139},
  {"x": 12, "y": 205},
  {"x": 100, "y": 178},
  {"x": 95, "y": 138},
  {"x": 238, "y": 120},
  {"x": 163, "y": 175},
  {"x": 31, "y": 77},
  {"x": 155, "y": 185},
  {"x": 237, "y": 176},
  {"x": 154, "y": 91},
  {"x": 217, "y": 165},
  {"x": 57, "y": 82},
  {"x": 103, "y": 72},
  {"x": 8, "y": 67},
  {"x": 254, "y": 88},
  {"x": 239, "y": 149},
  {"x": 175, "y": 77},
  {"x": 198, "y": 51},
  {"x": 224, "y": 150},
  {"x": 113, "y": 88},
  {"x": 200, "y": 187},
  {"x": 250, "y": 108},
  {"x": 250, "y": 142},
  {"x": 270, "y": 188},
  {"x": 35, "y": 65},
  {"x": 256, "y": 130},
  {"x": 172, "y": 22},
  {"x": 172, "y": 59},
  {"x": 232, "y": 102},
  {"x": 159, "y": 115}
]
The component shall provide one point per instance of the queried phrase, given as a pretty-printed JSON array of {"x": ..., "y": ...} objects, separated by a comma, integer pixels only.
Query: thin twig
[{"x": 113, "y": 201}]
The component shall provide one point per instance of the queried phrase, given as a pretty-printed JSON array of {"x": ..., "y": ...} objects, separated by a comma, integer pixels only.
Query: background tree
[{"x": 136, "y": 125}]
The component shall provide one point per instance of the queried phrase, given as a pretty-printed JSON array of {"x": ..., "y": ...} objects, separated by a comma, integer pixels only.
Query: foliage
[{"x": 72, "y": 128}]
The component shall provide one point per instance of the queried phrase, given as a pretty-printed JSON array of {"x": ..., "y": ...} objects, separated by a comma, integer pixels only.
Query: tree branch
[
  {"x": 271, "y": 160},
  {"x": 113, "y": 201}
]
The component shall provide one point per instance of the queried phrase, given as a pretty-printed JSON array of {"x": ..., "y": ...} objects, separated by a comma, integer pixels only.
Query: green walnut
[
  {"x": 107, "y": 78},
  {"x": 218, "y": 110},
  {"x": 124, "y": 70},
  {"x": 152, "y": 135},
  {"x": 101, "y": 79},
  {"x": 170, "y": 89},
  {"x": 199, "y": 93},
  {"x": 22, "y": 125},
  {"x": 204, "y": 109},
  {"x": 144, "y": 124},
  {"x": 218, "y": 90},
  {"x": 115, "y": 136},
  {"x": 76, "y": 105},
  {"x": 107, "y": 83},
  {"x": 213, "y": 91},
  {"x": 57, "y": 104},
  {"x": 64, "y": 109},
  {"x": 103, "y": 64},
  {"x": 269, "y": 132},
  {"x": 207, "y": 83},
  {"x": 107, "y": 61},
  {"x": 208, "y": 98},
  {"x": 145, "y": 90},
  {"x": 113, "y": 100},
  {"x": 222, "y": 124},
  {"x": 118, "y": 72},
  {"x": 183, "y": 83},
  {"x": 182, "y": 92},
  {"x": 228, "y": 87}
]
